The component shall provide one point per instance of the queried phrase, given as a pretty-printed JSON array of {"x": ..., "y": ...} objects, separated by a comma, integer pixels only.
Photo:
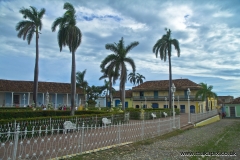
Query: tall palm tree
[
  {"x": 164, "y": 47},
  {"x": 139, "y": 78},
  {"x": 80, "y": 82},
  {"x": 112, "y": 80},
  {"x": 27, "y": 28},
  {"x": 132, "y": 78},
  {"x": 117, "y": 62},
  {"x": 69, "y": 35},
  {"x": 205, "y": 92}
]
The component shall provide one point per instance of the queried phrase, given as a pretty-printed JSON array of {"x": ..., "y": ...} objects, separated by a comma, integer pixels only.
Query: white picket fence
[
  {"x": 197, "y": 117},
  {"x": 48, "y": 144}
]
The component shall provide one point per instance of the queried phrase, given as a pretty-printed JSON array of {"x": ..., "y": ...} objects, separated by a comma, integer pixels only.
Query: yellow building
[{"x": 154, "y": 94}]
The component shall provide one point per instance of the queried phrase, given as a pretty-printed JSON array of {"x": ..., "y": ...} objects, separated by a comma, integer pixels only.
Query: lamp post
[
  {"x": 188, "y": 93},
  {"x": 166, "y": 101},
  {"x": 24, "y": 100},
  {"x": 173, "y": 90}
]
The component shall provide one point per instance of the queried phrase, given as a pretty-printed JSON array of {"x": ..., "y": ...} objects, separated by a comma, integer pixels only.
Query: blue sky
[{"x": 208, "y": 32}]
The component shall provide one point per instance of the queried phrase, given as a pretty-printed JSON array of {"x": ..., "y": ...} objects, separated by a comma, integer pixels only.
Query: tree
[
  {"x": 112, "y": 80},
  {"x": 139, "y": 78},
  {"x": 27, "y": 28},
  {"x": 69, "y": 35},
  {"x": 164, "y": 47},
  {"x": 132, "y": 78},
  {"x": 80, "y": 82},
  {"x": 117, "y": 62},
  {"x": 93, "y": 93},
  {"x": 205, "y": 92}
]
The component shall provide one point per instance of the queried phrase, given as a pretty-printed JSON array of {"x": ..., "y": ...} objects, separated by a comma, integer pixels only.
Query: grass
[{"x": 223, "y": 142}]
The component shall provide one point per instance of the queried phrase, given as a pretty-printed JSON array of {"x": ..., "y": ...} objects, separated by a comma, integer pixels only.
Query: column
[
  {"x": 55, "y": 100},
  {"x": 28, "y": 98},
  {"x": 43, "y": 99},
  {"x": 67, "y": 99},
  {"x": 12, "y": 99}
]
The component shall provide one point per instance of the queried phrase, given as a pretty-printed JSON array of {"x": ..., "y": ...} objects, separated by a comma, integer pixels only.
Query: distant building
[
  {"x": 232, "y": 109},
  {"x": 225, "y": 99},
  {"x": 18, "y": 93}
]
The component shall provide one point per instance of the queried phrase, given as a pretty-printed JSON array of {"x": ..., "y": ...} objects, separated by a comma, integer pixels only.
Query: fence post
[
  {"x": 119, "y": 130},
  {"x": 82, "y": 138},
  {"x": 16, "y": 134}
]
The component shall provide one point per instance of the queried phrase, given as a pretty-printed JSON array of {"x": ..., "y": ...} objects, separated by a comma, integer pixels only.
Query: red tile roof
[
  {"x": 180, "y": 84},
  {"x": 128, "y": 94},
  {"x": 235, "y": 101},
  {"x": 43, "y": 87}
]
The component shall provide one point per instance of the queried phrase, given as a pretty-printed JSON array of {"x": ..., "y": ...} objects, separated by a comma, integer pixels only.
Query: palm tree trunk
[
  {"x": 110, "y": 90},
  {"x": 170, "y": 81},
  {"x": 35, "y": 85},
  {"x": 73, "y": 84},
  {"x": 123, "y": 96}
]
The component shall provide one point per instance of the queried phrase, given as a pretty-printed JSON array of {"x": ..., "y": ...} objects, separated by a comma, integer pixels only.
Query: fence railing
[
  {"x": 196, "y": 117},
  {"x": 55, "y": 123},
  {"x": 46, "y": 144}
]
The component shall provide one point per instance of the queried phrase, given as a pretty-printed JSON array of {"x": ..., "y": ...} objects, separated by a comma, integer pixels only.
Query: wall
[{"x": 2, "y": 99}]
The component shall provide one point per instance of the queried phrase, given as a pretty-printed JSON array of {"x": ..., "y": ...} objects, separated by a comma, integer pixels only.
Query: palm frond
[{"x": 131, "y": 46}]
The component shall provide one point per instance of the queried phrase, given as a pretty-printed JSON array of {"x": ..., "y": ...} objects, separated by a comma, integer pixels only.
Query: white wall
[{"x": 102, "y": 101}]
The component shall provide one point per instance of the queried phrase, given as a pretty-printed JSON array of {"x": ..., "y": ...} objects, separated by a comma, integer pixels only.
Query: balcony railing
[{"x": 162, "y": 98}]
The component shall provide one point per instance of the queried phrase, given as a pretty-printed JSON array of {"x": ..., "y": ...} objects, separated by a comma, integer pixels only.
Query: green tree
[
  {"x": 139, "y": 78},
  {"x": 117, "y": 62},
  {"x": 69, "y": 35},
  {"x": 132, "y": 78},
  {"x": 27, "y": 28},
  {"x": 205, "y": 92},
  {"x": 164, "y": 47},
  {"x": 81, "y": 82}
]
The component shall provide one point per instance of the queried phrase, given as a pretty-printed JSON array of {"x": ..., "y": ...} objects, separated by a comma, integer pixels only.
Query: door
[
  {"x": 117, "y": 102},
  {"x": 192, "y": 109},
  {"x": 16, "y": 99},
  {"x": 165, "y": 106},
  {"x": 108, "y": 104},
  {"x": 126, "y": 104},
  {"x": 182, "y": 108},
  {"x": 141, "y": 94},
  {"x": 232, "y": 112},
  {"x": 155, "y": 105},
  {"x": 155, "y": 94}
]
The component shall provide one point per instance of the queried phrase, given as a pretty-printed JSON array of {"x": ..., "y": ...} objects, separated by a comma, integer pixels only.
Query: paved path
[{"x": 171, "y": 148}]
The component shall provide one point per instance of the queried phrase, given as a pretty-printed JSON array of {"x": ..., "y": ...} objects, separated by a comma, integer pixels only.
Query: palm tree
[
  {"x": 139, "y": 78},
  {"x": 69, "y": 35},
  {"x": 112, "y": 80},
  {"x": 132, "y": 78},
  {"x": 26, "y": 29},
  {"x": 117, "y": 62},
  {"x": 80, "y": 82},
  {"x": 205, "y": 92},
  {"x": 164, "y": 47}
]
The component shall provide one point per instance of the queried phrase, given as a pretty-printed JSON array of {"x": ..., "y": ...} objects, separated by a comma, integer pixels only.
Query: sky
[{"x": 208, "y": 32}]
